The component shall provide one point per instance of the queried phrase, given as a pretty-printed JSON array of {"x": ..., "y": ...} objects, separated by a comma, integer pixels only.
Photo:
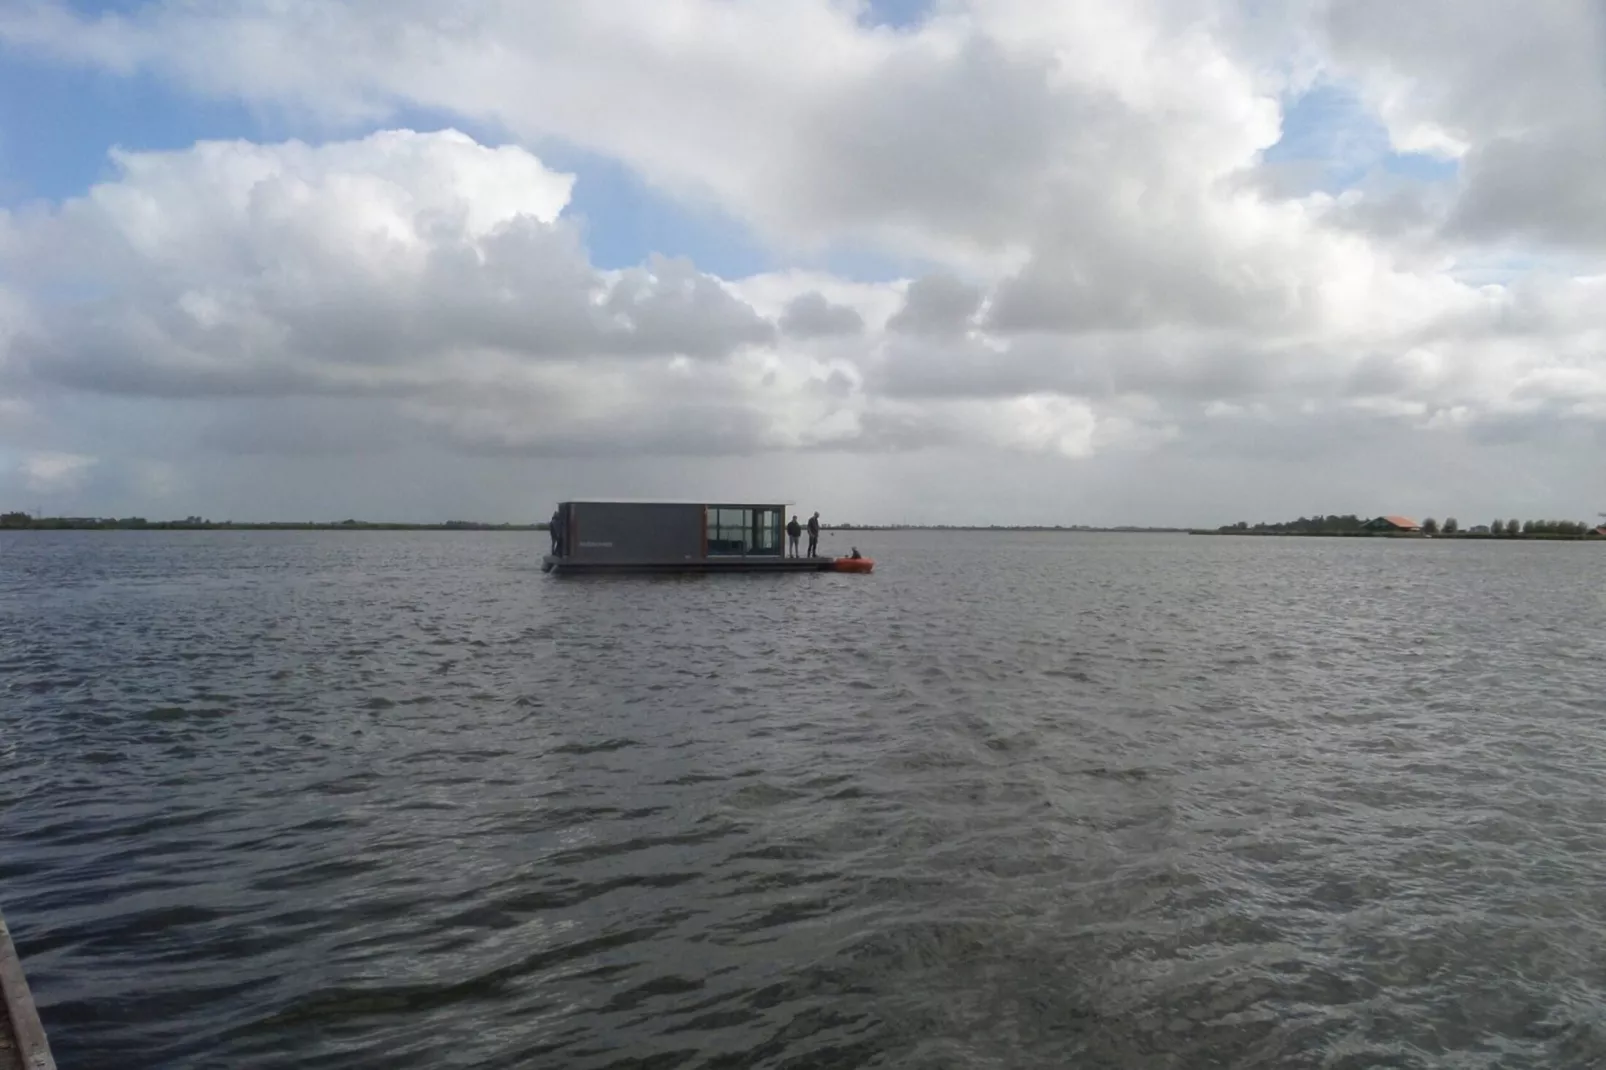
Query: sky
[{"x": 931, "y": 261}]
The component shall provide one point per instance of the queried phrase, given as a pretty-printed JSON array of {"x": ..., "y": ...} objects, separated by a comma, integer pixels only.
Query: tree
[
  {"x": 1497, "y": 528},
  {"x": 1527, "y": 527},
  {"x": 1430, "y": 526},
  {"x": 1451, "y": 525},
  {"x": 1512, "y": 527}
]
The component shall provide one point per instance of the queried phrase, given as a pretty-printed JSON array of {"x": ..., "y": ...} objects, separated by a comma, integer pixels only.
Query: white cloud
[
  {"x": 387, "y": 265},
  {"x": 1111, "y": 279}
]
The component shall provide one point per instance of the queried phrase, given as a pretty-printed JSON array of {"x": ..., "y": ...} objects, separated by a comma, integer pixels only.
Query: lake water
[{"x": 399, "y": 800}]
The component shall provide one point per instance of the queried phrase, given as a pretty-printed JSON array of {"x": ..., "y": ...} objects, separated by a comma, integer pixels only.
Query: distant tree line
[
  {"x": 23, "y": 520},
  {"x": 196, "y": 523},
  {"x": 1510, "y": 528},
  {"x": 1305, "y": 525},
  {"x": 1349, "y": 523}
]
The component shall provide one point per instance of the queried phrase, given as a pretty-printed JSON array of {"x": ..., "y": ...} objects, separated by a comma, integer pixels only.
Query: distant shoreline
[
  {"x": 1067, "y": 529},
  {"x": 138, "y": 524},
  {"x": 15, "y": 522},
  {"x": 74, "y": 524},
  {"x": 1487, "y": 536}
]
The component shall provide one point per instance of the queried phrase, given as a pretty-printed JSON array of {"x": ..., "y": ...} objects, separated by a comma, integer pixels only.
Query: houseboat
[
  {"x": 628, "y": 536},
  {"x": 22, "y": 1039}
]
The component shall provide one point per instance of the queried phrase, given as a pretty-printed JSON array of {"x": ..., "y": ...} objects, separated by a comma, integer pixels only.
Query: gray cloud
[
  {"x": 933, "y": 136},
  {"x": 671, "y": 307},
  {"x": 810, "y": 315},
  {"x": 301, "y": 427},
  {"x": 1522, "y": 89},
  {"x": 1545, "y": 189},
  {"x": 1156, "y": 365},
  {"x": 939, "y": 303},
  {"x": 691, "y": 430}
]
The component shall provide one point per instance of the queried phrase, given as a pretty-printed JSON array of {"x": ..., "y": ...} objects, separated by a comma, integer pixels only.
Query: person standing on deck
[
  {"x": 794, "y": 531},
  {"x": 554, "y": 526},
  {"x": 814, "y": 533}
]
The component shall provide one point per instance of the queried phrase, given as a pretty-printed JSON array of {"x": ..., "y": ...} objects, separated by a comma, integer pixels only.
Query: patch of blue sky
[
  {"x": 897, "y": 14},
  {"x": 58, "y": 124},
  {"x": 107, "y": 7},
  {"x": 1340, "y": 143},
  {"x": 1421, "y": 166},
  {"x": 1507, "y": 266},
  {"x": 625, "y": 220}
]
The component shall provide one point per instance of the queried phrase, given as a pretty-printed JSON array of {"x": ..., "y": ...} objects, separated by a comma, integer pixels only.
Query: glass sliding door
[{"x": 767, "y": 531}]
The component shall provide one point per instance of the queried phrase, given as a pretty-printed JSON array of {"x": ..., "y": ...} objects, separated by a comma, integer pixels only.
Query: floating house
[{"x": 632, "y": 536}]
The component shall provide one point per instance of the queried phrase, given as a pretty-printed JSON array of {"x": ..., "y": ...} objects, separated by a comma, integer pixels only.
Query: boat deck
[
  {"x": 561, "y": 565},
  {"x": 22, "y": 1039}
]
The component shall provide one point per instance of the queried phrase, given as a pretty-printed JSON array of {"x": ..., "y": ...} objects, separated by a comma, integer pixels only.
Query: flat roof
[{"x": 737, "y": 502}]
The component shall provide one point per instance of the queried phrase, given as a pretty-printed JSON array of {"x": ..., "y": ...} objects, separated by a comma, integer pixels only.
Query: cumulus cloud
[
  {"x": 353, "y": 268},
  {"x": 1107, "y": 267}
]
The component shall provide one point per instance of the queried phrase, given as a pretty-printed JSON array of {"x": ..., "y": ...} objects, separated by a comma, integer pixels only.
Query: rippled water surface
[{"x": 400, "y": 800}]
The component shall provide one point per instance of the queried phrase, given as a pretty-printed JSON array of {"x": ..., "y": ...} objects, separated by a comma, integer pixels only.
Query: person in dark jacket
[
  {"x": 814, "y": 533},
  {"x": 555, "y": 528},
  {"x": 794, "y": 531}
]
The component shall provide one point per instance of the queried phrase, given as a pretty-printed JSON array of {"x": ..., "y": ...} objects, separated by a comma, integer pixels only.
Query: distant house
[
  {"x": 1600, "y": 531},
  {"x": 1478, "y": 529},
  {"x": 1392, "y": 523}
]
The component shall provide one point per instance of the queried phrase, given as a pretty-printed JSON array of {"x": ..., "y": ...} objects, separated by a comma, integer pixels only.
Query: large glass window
[
  {"x": 743, "y": 531},
  {"x": 730, "y": 531}
]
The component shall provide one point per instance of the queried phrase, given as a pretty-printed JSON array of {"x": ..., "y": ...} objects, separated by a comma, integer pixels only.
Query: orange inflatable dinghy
[{"x": 853, "y": 564}]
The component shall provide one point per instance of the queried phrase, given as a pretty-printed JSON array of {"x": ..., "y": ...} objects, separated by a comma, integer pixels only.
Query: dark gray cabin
[{"x": 620, "y": 536}]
